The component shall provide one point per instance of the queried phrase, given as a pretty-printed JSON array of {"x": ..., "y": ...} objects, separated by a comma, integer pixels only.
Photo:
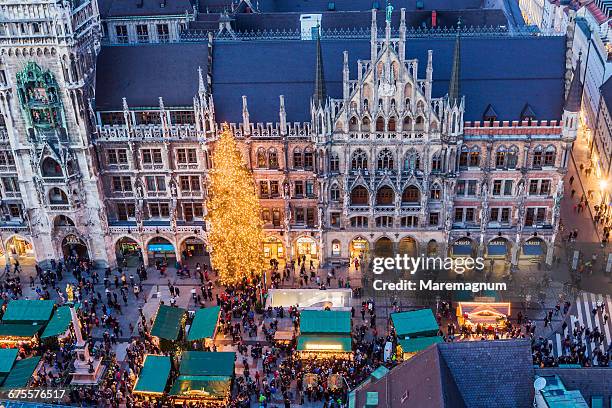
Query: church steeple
[
  {"x": 319, "y": 92},
  {"x": 454, "y": 86},
  {"x": 574, "y": 95}
]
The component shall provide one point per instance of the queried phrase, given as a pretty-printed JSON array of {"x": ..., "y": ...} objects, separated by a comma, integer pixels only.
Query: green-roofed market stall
[
  {"x": 415, "y": 323},
  {"x": 204, "y": 323},
  {"x": 325, "y": 321},
  {"x": 59, "y": 323},
  {"x": 205, "y": 377},
  {"x": 154, "y": 375},
  {"x": 21, "y": 373},
  {"x": 413, "y": 345},
  {"x": 324, "y": 343},
  {"x": 28, "y": 311},
  {"x": 7, "y": 358},
  {"x": 21, "y": 331},
  {"x": 168, "y": 322}
]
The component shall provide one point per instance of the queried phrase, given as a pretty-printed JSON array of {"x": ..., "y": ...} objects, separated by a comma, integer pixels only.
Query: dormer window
[
  {"x": 489, "y": 115},
  {"x": 527, "y": 114}
]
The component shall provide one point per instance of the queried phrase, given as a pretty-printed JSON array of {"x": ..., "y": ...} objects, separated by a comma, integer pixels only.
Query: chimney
[{"x": 434, "y": 18}]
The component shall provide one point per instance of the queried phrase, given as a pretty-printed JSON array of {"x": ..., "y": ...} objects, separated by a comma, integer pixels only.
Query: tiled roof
[
  {"x": 136, "y": 8},
  {"x": 313, "y": 6},
  {"x": 144, "y": 73},
  {"x": 491, "y": 373},
  {"x": 490, "y": 74}
]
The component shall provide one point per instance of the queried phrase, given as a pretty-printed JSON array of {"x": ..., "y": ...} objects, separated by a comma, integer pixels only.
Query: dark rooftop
[
  {"x": 490, "y": 74},
  {"x": 455, "y": 375},
  {"x": 313, "y": 6},
  {"x": 589, "y": 381},
  {"x": 125, "y": 8},
  {"x": 144, "y": 73}
]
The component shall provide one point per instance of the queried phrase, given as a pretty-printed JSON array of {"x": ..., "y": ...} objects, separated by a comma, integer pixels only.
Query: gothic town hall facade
[{"x": 383, "y": 138}]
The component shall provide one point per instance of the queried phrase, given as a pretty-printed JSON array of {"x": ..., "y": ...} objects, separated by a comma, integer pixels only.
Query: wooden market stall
[
  {"x": 409, "y": 347},
  {"x": 168, "y": 324},
  {"x": 153, "y": 378},
  {"x": 22, "y": 373},
  {"x": 19, "y": 335},
  {"x": 416, "y": 323},
  {"x": 7, "y": 358},
  {"x": 204, "y": 378},
  {"x": 487, "y": 314},
  {"x": 325, "y": 334},
  {"x": 204, "y": 325},
  {"x": 28, "y": 311},
  {"x": 59, "y": 325}
]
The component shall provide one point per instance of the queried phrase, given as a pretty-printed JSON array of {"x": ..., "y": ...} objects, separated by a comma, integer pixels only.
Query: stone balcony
[{"x": 149, "y": 132}]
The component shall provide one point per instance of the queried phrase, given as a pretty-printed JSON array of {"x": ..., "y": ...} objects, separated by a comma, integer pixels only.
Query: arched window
[
  {"x": 420, "y": 106},
  {"x": 51, "y": 168},
  {"x": 411, "y": 194},
  {"x": 334, "y": 163},
  {"x": 391, "y": 125},
  {"x": 412, "y": 161},
  {"x": 272, "y": 158},
  {"x": 297, "y": 158},
  {"x": 334, "y": 193},
  {"x": 359, "y": 222},
  {"x": 385, "y": 221},
  {"x": 336, "y": 251},
  {"x": 365, "y": 124},
  {"x": 500, "y": 157},
  {"x": 435, "y": 193},
  {"x": 407, "y": 124},
  {"x": 360, "y": 196},
  {"x": 385, "y": 160},
  {"x": 262, "y": 160},
  {"x": 436, "y": 163},
  {"x": 308, "y": 159},
  {"x": 366, "y": 104},
  {"x": 537, "y": 157},
  {"x": 419, "y": 124},
  {"x": 549, "y": 156},
  {"x": 474, "y": 157},
  {"x": 407, "y": 103},
  {"x": 359, "y": 160},
  {"x": 385, "y": 196},
  {"x": 463, "y": 157},
  {"x": 512, "y": 159},
  {"x": 380, "y": 124},
  {"x": 57, "y": 196},
  {"x": 353, "y": 124},
  {"x": 434, "y": 126}
]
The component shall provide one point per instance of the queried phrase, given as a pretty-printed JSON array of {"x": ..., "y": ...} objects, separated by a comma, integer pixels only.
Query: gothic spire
[
  {"x": 454, "y": 86},
  {"x": 319, "y": 92},
  {"x": 574, "y": 95}
]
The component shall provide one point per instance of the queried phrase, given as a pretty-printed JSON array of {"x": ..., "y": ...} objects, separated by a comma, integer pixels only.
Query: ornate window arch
[
  {"x": 380, "y": 124},
  {"x": 501, "y": 156},
  {"x": 385, "y": 160},
  {"x": 435, "y": 192},
  {"x": 464, "y": 157},
  {"x": 385, "y": 196},
  {"x": 407, "y": 123},
  {"x": 308, "y": 158},
  {"x": 549, "y": 155},
  {"x": 359, "y": 160},
  {"x": 262, "y": 159},
  {"x": 334, "y": 163},
  {"x": 436, "y": 162},
  {"x": 360, "y": 196},
  {"x": 365, "y": 124},
  {"x": 419, "y": 123},
  {"x": 474, "y": 157},
  {"x": 297, "y": 158},
  {"x": 392, "y": 124},
  {"x": 512, "y": 159},
  {"x": 537, "y": 156},
  {"x": 411, "y": 194},
  {"x": 353, "y": 124},
  {"x": 334, "y": 193},
  {"x": 272, "y": 158}
]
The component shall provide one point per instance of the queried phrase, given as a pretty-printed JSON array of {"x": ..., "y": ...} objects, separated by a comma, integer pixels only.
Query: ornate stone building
[{"x": 414, "y": 140}]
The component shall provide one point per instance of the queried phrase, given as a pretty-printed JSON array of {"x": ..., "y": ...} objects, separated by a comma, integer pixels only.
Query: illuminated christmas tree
[{"x": 236, "y": 228}]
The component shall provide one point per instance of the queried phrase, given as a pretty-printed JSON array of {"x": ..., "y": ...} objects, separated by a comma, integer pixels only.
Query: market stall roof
[
  {"x": 207, "y": 363},
  {"x": 324, "y": 343},
  {"x": 21, "y": 373},
  {"x": 168, "y": 322},
  {"x": 28, "y": 311},
  {"x": 415, "y": 323},
  {"x": 59, "y": 323},
  {"x": 216, "y": 386},
  {"x": 204, "y": 323},
  {"x": 325, "y": 321},
  {"x": 380, "y": 372},
  {"x": 19, "y": 330},
  {"x": 417, "y": 344},
  {"x": 7, "y": 358},
  {"x": 154, "y": 375}
]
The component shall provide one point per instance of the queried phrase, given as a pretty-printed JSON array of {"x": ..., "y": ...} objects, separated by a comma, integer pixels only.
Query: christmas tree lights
[{"x": 236, "y": 228}]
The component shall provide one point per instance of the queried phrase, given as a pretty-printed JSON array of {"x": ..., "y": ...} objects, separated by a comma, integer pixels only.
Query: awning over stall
[
  {"x": 415, "y": 323},
  {"x": 154, "y": 375},
  {"x": 21, "y": 373},
  {"x": 26, "y": 311},
  {"x": 7, "y": 358},
  {"x": 19, "y": 330},
  {"x": 315, "y": 343},
  {"x": 533, "y": 247},
  {"x": 168, "y": 322},
  {"x": 325, "y": 321},
  {"x": 204, "y": 323},
  {"x": 497, "y": 247},
  {"x": 59, "y": 323},
  {"x": 202, "y": 386},
  {"x": 207, "y": 363},
  {"x": 462, "y": 247},
  {"x": 416, "y": 344}
]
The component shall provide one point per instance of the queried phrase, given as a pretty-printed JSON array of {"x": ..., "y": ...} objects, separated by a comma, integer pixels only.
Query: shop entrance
[
  {"x": 306, "y": 249},
  {"x": 408, "y": 246},
  {"x": 128, "y": 252},
  {"x": 193, "y": 251},
  {"x": 74, "y": 249},
  {"x": 160, "y": 250},
  {"x": 20, "y": 249},
  {"x": 359, "y": 248},
  {"x": 273, "y": 249}
]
